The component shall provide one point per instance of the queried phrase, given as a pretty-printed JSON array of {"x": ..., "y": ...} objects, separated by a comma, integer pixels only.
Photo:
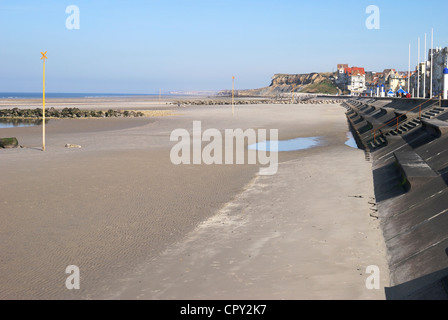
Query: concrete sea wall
[{"x": 407, "y": 140}]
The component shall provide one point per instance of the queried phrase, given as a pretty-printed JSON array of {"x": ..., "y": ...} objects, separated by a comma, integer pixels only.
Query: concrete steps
[
  {"x": 377, "y": 142},
  {"x": 415, "y": 121},
  {"x": 365, "y": 115}
]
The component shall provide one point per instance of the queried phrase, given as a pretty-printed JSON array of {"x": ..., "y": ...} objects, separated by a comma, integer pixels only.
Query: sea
[
  {"x": 37, "y": 95},
  {"x": 11, "y": 123}
]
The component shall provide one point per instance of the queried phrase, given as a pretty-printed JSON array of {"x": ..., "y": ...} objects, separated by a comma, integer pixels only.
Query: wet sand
[
  {"x": 96, "y": 103},
  {"x": 138, "y": 226}
]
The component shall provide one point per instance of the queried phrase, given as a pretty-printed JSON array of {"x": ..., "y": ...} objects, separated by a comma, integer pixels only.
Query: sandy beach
[{"x": 139, "y": 227}]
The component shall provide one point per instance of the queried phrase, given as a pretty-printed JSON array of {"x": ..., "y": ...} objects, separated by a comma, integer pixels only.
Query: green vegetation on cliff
[
  {"x": 286, "y": 83},
  {"x": 325, "y": 86}
]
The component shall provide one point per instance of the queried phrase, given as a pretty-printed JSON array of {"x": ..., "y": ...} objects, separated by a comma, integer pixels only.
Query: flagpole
[
  {"x": 43, "y": 112},
  {"x": 424, "y": 77},
  {"x": 432, "y": 60},
  {"x": 409, "y": 70},
  {"x": 418, "y": 69}
]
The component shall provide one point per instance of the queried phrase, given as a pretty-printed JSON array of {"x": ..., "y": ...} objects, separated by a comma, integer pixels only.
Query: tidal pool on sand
[
  {"x": 351, "y": 140},
  {"x": 11, "y": 123},
  {"x": 287, "y": 145}
]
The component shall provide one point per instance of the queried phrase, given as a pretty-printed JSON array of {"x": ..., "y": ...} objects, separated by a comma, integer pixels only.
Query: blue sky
[{"x": 141, "y": 46}]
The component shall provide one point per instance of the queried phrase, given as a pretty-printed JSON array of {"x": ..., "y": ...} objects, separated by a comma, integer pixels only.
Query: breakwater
[
  {"x": 52, "y": 112},
  {"x": 275, "y": 100}
]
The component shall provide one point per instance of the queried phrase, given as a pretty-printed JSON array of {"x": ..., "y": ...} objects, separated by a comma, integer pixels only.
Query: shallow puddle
[
  {"x": 351, "y": 141},
  {"x": 12, "y": 123},
  {"x": 287, "y": 145}
]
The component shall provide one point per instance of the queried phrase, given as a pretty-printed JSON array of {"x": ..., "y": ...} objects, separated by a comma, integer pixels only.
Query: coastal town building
[
  {"x": 371, "y": 83},
  {"x": 389, "y": 79},
  {"x": 339, "y": 80},
  {"x": 408, "y": 84},
  {"x": 440, "y": 62},
  {"x": 395, "y": 80},
  {"x": 417, "y": 79},
  {"x": 420, "y": 79},
  {"x": 351, "y": 80},
  {"x": 370, "y": 76},
  {"x": 356, "y": 81}
]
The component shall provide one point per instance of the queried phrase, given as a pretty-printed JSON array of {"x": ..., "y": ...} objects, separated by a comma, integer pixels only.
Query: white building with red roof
[{"x": 355, "y": 80}]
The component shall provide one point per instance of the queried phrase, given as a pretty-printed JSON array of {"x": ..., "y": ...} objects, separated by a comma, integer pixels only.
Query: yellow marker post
[
  {"x": 233, "y": 95},
  {"x": 43, "y": 102}
]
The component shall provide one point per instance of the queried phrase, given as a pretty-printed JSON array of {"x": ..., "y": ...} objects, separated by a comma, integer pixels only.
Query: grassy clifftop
[
  {"x": 286, "y": 83},
  {"x": 325, "y": 87}
]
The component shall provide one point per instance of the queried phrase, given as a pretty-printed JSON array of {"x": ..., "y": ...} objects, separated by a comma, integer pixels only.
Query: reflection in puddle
[
  {"x": 11, "y": 123},
  {"x": 288, "y": 145},
  {"x": 351, "y": 141}
]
